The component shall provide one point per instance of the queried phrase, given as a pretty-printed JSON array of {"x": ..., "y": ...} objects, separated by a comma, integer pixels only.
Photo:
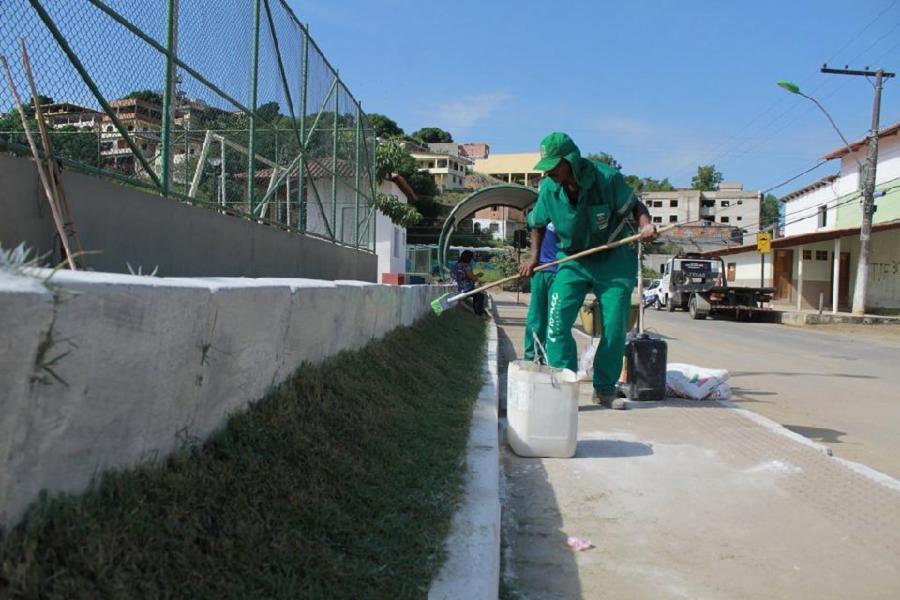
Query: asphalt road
[{"x": 839, "y": 389}]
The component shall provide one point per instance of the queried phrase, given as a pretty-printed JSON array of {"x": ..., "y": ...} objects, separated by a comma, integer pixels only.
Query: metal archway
[{"x": 506, "y": 194}]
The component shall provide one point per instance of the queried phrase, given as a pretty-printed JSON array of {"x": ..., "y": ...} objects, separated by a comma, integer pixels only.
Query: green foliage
[
  {"x": 147, "y": 96},
  {"x": 390, "y": 158},
  {"x": 385, "y": 127},
  {"x": 637, "y": 183},
  {"x": 422, "y": 183},
  {"x": 82, "y": 146},
  {"x": 768, "y": 212},
  {"x": 404, "y": 215},
  {"x": 605, "y": 158},
  {"x": 431, "y": 135},
  {"x": 707, "y": 179},
  {"x": 340, "y": 483},
  {"x": 650, "y": 273}
]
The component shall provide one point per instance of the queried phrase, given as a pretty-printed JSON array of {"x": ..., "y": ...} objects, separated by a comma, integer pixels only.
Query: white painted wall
[
  {"x": 390, "y": 239},
  {"x": 151, "y": 360},
  {"x": 888, "y": 165},
  {"x": 801, "y": 214},
  {"x": 344, "y": 226},
  {"x": 748, "y": 267}
]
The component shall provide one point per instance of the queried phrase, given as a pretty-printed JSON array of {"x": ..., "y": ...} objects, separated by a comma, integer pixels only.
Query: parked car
[{"x": 650, "y": 290}]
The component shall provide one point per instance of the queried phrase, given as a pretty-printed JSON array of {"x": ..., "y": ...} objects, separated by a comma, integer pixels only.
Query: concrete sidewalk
[{"x": 693, "y": 500}]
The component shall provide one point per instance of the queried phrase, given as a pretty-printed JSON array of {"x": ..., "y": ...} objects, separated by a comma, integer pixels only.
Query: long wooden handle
[{"x": 594, "y": 250}]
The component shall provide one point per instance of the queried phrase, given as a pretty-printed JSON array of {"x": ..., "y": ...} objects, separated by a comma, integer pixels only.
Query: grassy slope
[{"x": 339, "y": 484}]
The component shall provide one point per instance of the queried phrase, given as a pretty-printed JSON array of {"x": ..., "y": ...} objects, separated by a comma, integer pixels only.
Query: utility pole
[{"x": 868, "y": 209}]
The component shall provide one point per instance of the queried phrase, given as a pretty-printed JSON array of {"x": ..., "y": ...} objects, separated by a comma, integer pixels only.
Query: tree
[
  {"x": 768, "y": 212},
  {"x": 707, "y": 179},
  {"x": 391, "y": 158},
  {"x": 42, "y": 101},
  {"x": 648, "y": 184},
  {"x": 146, "y": 96},
  {"x": 431, "y": 135},
  {"x": 385, "y": 127},
  {"x": 605, "y": 158}
]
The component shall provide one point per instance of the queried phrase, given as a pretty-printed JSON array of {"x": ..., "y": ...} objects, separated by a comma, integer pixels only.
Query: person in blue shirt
[
  {"x": 543, "y": 250},
  {"x": 466, "y": 280}
]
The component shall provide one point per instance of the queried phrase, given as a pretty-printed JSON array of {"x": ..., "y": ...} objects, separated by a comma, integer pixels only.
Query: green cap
[{"x": 555, "y": 147}]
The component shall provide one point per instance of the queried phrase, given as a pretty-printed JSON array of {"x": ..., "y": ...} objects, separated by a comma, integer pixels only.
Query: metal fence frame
[{"x": 283, "y": 171}]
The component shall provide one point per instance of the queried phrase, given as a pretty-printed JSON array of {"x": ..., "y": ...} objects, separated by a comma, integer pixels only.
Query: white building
[
  {"x": 390, "y": 239},
  {"x": 449, "y": 171},
  {"x": 817, "y": 259}
]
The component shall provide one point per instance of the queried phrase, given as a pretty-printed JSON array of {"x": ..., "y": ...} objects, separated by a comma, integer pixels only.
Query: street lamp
[
  {"x": 795, "y": 89},
  {"x": 216, "y": 163}
]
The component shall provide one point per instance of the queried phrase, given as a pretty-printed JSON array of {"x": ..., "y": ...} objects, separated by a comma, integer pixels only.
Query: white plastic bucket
[{"x": 541, "y": 410}]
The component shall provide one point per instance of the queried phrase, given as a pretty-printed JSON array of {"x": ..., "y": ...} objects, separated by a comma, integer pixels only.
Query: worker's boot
[{"x": 609, "y": 399}]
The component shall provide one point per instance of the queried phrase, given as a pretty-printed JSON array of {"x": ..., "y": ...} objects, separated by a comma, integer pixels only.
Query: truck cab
[{"x": 683, "y": 276}]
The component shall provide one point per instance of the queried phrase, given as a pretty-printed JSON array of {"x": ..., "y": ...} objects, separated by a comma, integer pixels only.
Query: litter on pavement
[
  {"x": 579, "y": 544},
  {"x": 697, "y": 383}
]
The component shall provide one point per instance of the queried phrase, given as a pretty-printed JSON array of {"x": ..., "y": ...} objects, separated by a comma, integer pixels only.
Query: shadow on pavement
[
  {"x": 818, "y": 434},
  {"x": 793, "y": 373},
  {"x": 611, "y": 449},
  {"x": 536, "y": 561}
]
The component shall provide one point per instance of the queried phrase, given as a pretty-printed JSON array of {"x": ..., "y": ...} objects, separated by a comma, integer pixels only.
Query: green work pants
[
  {"x": 612, "y": 277},
  {"x": 536, "y": 322}
]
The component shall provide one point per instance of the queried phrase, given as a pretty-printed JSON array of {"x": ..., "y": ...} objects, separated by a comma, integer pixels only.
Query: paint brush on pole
[{"x": 447, "y": 301}]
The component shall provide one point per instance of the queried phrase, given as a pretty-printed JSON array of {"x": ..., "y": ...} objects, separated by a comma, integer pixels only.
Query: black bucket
[{"x": 646, "y": 359}]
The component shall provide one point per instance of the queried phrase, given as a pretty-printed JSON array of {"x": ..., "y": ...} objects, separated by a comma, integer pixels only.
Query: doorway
[
  {"x": 783, "y": 266},
  {"x": 843, "y": 279}
]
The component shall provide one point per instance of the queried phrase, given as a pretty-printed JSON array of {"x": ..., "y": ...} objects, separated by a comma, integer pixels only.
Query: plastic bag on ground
[
  {"x": 586, "y": 363},
  {"x": 697, "y": 383}
]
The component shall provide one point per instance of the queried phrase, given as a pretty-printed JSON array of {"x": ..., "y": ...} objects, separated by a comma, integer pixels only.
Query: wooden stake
[
  {"x": 52, "y": 167},
  {"x": 54, "y": 210}
]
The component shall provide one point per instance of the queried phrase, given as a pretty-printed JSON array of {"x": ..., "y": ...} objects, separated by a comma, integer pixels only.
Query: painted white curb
[{"x": 472, "y": 569}]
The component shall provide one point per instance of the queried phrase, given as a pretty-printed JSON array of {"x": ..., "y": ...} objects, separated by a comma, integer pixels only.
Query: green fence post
[
  {"x": 334, "y": 169},
  {"x": 169, "y": 106},
  {"x": 357, "y": 136},
  {"x": 254, "y": 81},
  {"x": 301, "y": 172}
]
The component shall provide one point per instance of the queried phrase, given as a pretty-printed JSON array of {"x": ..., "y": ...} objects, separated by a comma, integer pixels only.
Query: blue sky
[{"x": 662, "y": 86}]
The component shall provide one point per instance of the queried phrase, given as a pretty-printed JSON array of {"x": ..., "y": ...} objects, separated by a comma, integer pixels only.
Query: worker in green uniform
[
  {"x": 543, "y": 246},
  {"x": 589, "y": 204}
]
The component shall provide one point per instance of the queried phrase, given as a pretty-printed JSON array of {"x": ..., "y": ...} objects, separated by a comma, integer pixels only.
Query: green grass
[{"x": 341, "y": 483}]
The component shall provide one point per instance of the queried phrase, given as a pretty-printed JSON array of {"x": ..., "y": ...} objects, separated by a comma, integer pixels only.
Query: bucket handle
[{"x": 541, "y": 351}]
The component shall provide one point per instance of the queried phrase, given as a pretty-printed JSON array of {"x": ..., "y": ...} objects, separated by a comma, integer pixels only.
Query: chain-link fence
[{"x": 227, "y": 104}]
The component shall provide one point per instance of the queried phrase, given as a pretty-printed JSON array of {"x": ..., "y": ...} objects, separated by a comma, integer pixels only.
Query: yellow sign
[{"x": 764, "y": 242}]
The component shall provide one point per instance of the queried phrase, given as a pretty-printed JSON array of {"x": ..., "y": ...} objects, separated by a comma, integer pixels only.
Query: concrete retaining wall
[
  {"x": 108, "y": 370},
  {"x": 130, "y": 226}
]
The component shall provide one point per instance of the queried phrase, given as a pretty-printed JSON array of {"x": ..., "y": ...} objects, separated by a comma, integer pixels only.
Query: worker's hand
[
  {"x": 649, "y": 233},
  {"x": 526, "y": 269}
]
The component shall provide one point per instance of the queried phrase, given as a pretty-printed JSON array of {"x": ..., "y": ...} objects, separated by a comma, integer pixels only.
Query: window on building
[
  {"x": 823, "y": 215},
  {"x": 724, "y": 219},
  {"x": 673, "y": 203},
  {"x": 707, "y": 203},
  {"x": 821, "y": 254},
  {"x": 731, "y": 271},
  {"x": 725, "y": 203},
  {"x": 807, "y": 255},
  {"x": 740, "y": 202},
  {"x": 657, "y": 219},
  {"x": 109, "y": 128},
  {"x": 494, "y": 227},
  {"x": 657, "y": 203},
  {"x": 673, "y": 218},
  {"x": 708, "y": 219},
  {"x": 740, "y": 218}
]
